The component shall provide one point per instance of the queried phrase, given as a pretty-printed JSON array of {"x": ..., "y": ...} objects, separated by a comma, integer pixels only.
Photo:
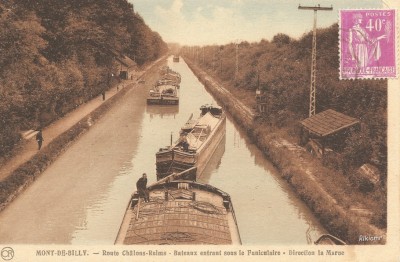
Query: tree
[{"x": 281, "y": 40}]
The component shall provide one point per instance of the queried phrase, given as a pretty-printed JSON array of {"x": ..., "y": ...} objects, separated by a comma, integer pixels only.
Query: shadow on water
[{"x": 214, "y": 163}]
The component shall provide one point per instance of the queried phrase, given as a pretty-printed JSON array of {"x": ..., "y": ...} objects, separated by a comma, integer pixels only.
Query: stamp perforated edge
[{"x": 396, "y": 47}]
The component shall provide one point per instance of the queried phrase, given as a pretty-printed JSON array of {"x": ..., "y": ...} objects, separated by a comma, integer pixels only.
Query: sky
[{"x": 208, "y": 22}]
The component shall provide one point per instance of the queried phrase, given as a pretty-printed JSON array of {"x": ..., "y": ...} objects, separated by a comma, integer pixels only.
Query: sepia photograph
[{"x": 176, "y": 130}]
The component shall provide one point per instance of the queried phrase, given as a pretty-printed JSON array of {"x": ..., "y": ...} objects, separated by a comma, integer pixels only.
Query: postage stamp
[{"x": 367, "y": 44}]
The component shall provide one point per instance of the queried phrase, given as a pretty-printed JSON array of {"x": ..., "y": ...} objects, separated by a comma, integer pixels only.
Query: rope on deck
[{"x": 206, "y": 207}]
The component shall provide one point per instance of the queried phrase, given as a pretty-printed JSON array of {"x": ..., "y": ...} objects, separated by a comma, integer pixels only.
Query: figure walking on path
[
  {"x": 141, "y": 186},
  {"x": 104, "y": 95},
  {"x": 39, "y": 139}
]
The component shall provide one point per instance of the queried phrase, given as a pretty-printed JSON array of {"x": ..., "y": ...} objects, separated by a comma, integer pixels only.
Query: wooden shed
[
  {"x": 327, "y": 129},
  {"x": 127, "y": 66}
]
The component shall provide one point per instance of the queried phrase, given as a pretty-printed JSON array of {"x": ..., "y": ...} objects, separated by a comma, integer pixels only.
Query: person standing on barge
[{"x": 141, "y": 186}]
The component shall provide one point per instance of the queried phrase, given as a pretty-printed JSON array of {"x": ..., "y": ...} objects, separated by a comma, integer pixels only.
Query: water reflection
[
  {"x": 214, "y": 163},
  {"x": 266, "y": 208},
  {"x": 162, "y": 110}
]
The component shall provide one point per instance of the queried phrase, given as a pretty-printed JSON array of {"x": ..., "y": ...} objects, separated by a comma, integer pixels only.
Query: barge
[
  {"x": 167, "y": 73},
  {"x": 163, "y": 94},
  {"x": 199, "y": 138},
  {"x": 176, "y": 58},
  {"x": 168, "y": 82},
  {"x": 180, "y": 212}
]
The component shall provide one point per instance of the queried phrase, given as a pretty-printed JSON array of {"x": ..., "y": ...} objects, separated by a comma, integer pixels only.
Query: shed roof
[
  {"x": 126, "y": 61},
  {"x": 328, "y": 122},
  {"x": 123, "y": 59}
]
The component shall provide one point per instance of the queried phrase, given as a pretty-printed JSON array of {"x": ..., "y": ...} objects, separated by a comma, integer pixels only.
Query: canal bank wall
[
  {"x": 25, "y": 174},
  {"x": 297, "y": 167}
]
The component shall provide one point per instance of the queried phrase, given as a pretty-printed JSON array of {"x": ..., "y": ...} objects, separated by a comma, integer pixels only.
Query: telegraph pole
[
  {"x": 314, "y": 54},
  {"x": 237, "y": 59},
  {"x": 213, "y": 59},
  {"x": 215, "y": 47}
]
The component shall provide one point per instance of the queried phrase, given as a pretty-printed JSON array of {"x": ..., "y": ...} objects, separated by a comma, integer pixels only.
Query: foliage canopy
[{"x": 56, "y": 54}]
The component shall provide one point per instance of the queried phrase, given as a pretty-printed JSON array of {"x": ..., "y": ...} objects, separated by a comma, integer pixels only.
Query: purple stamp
[{"x": 367, "y": 44}]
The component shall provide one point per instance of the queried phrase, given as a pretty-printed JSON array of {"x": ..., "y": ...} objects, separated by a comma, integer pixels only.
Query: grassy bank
[{"x": 330, "y": 204}]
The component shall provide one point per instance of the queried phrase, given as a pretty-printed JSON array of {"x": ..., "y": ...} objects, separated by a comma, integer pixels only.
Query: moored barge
[
  {"x": 163, "y": 94},
  {"x": 167, "y": 73},
  {"x": 198, "y": 140}
]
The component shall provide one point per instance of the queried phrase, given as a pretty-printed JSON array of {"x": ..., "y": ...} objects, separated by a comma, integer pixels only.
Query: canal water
[{"x": 81, "y": 198}]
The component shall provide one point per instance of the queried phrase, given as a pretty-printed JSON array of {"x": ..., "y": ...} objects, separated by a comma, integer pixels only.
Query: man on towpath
[{"x": 39, "y": 138}]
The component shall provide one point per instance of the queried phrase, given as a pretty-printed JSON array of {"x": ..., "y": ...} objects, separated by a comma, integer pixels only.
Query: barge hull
[
  {"x": 174, "y": 161},
  {"x": 157, "y": 101}
]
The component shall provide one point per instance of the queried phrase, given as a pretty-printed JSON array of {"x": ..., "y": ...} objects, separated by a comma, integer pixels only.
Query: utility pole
[
  {"x": 314, "y": 54},
  {"x": 237, "y": 59},
  {"x": 215, "y": 47},
  {"x": 213, "y": 59}
]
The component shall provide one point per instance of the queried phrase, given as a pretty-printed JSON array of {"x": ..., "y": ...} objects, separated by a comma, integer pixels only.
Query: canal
[{"x": 81, "y": 198}]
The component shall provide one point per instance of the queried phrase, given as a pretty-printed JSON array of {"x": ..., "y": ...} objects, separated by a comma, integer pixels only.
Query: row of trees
[
  {"x": 281, "y": 67},
  {"x": 56, "y": 54}
]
